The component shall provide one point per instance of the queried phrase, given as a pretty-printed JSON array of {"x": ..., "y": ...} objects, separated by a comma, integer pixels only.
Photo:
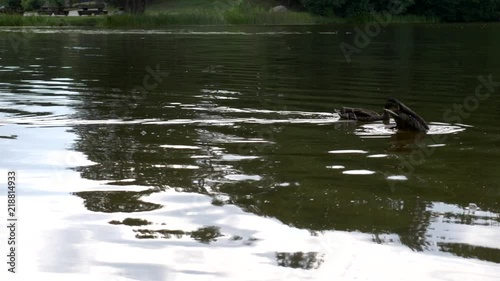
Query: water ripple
[
  {"x": 347, "y": 151},
  {"x": 358, "y": 172},
  {"x": 379, "y": 129}
]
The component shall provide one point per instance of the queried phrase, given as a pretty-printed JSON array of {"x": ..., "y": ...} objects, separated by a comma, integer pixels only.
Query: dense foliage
[
  {"x": 32, "y": 5},
  {"x": 14, "y": 4},
  {"x": 130, "y": 6},
  {"x": 459, "y": 10},
  {"x": 447, "y": 10},
  {"x": 58, "y": 3}
]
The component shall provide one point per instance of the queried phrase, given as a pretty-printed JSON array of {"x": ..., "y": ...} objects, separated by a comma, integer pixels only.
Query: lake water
[{"x": 214, "y": 153}]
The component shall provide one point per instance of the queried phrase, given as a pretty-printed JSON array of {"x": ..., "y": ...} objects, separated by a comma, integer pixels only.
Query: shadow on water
[
  {"x": 116, "y": 201},
  {"x": 301, "y": 260}
]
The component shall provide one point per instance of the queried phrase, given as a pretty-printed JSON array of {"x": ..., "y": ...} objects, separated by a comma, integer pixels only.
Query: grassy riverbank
[
  {"x": 195, "y": 18},
  {"x": 165, "y": 19},
  {"x": 198, "y": 12}
]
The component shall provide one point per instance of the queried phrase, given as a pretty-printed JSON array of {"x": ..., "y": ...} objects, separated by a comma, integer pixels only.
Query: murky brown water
[{"x": 230, "y": 157}]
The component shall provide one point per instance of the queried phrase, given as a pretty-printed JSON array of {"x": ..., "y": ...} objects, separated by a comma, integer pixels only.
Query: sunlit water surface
[{"x": 215, "y": 154}]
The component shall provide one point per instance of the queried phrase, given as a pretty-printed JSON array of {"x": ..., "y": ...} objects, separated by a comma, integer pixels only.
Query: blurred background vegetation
[
  {"x": 356, "y": 10},
  {"x": 446, "y": 10}
]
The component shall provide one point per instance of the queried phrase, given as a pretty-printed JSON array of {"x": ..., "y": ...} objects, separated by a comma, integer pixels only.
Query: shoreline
[
  {"x": 3, "y": 28},
  {"x": 201, "y": 18}
]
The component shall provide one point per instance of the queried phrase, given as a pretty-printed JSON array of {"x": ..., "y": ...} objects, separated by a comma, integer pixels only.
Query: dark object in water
[
  {"x": 405, "y": 118},
  {"x": 360, "y": 114}
]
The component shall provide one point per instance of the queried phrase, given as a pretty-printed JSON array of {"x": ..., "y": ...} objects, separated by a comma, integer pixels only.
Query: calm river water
[{"x": 214, "y": 153}]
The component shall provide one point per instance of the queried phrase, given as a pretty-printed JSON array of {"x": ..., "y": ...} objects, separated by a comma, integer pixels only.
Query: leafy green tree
[
  {"x": 14, "y": 4},
  {"x": 355, "y": 8},
  {"x": 59, "y": 4},
  {"x": 130, "y": 6},
  {"x": 31, "y": 5},
  {"x": 459, "y": 10},
  {"x": 323, "y": 7},
  {"x": 292, "y": 3},
  {"x": 392, "y": 6},
  {"x": 478, "y": 10},
  {"x": 446, "y": 10}
]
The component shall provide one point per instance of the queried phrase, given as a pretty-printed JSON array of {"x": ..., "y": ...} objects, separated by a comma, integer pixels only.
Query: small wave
[
  {"x": 243, "y": 177},
  {"x": 335, "y": 167},
  {"x": 358, "y": 172},
  {"x": 174, "y": 146},
  {"x": 379, "y": 129},
  {"x": 378, "y": 156},
  {"x": 397, "y": 178},
  {"x": 347, "y": 151}
]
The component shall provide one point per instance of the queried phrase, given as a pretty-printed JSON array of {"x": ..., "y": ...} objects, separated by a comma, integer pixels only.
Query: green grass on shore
[
  {"x": 194, "y": 17},
  {"x": 204, "y": 18},
  {"x": 162, "y": 6},
  {"x": 186, "y": 17},
  {"x": 19, "y": 20}
]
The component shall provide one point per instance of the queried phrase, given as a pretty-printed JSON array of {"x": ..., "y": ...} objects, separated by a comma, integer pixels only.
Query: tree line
[
  {"x": 132, "y": 6},
  {"x": 446, "y": 10}
]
